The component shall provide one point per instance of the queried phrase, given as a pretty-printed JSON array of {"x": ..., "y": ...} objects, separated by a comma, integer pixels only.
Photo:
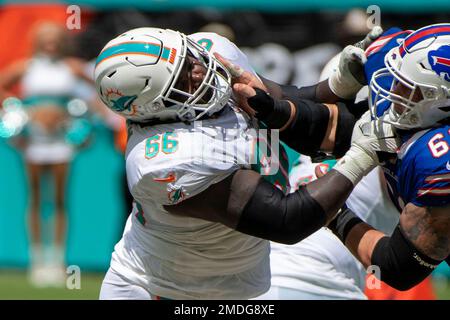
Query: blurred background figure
[
  {"x": 353, "y": 28},
  {"x": 221, "y": 29},
  {"x": 48, "y": 80}
]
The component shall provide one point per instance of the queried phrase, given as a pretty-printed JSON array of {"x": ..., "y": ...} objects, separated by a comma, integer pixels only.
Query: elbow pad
[
  {"x": 346, "y": 122},
  {"x": 401, "y": 265},
  {"x": 308, "y": 129},
  {"x": 310, "y": 126},
  {"x": 288, "y": 219}
]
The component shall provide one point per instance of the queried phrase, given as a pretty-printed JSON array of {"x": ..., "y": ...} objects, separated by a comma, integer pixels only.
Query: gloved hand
[
  {"x": 273, "y": 112},
  {"x": 348, "y": 77},
  {"x": 372, "y": 142},
  {"x": 244, "y": 83}
]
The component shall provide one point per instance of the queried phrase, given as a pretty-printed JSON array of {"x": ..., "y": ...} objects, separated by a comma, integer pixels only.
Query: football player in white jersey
[{"x": 195, "y": 196}]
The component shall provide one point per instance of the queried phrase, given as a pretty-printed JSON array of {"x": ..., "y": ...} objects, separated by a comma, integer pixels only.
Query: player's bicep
[
  {"x": 428, "y": 228},
  {"x": 221, "y": 202}
]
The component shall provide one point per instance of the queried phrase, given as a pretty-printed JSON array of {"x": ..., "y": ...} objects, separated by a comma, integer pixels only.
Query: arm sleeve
[
  {"x": 401, "y": 265},
  {"x": 308, "y": 128}
]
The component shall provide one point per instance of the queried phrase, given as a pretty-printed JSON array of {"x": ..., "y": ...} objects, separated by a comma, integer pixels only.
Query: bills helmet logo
[{"x": 440, "y": 61}]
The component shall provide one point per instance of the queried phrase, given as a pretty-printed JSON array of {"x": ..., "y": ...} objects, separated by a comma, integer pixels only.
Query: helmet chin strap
[
  {"x": 185, "y": 113},
  {"x": 405, "y": 121}
]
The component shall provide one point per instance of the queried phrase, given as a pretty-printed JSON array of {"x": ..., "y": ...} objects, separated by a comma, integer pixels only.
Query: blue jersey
[{"x": 421, "y": 173}]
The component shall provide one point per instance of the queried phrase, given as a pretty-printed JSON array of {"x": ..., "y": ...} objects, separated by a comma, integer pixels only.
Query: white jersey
[
  {"x": 180, "y": 257},
  {"x": 320, "y": 264},
  {"x": 47, "y": 80},
  {"x": 47, "y": 77}
]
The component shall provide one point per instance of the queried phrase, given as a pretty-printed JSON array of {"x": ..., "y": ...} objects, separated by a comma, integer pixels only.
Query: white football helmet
[
  {"x": 140, "y": 75},
  {"x": 421, "y": 63}
]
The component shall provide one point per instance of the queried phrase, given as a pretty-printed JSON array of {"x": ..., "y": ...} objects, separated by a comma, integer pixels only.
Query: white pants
[
  {"x": 49, "y": 153},
  {"x": 115, "y": 288}
]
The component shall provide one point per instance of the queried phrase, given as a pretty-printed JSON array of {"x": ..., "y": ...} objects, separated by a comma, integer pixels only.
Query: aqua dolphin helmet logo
[{"x": 123, "y": 103}]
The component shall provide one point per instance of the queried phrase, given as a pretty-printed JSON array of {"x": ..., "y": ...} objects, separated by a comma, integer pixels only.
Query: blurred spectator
[
  {"x": 273, "y": 61},
  {"x": 353, "y": 28},
  {"x": 48, "y": 80},
  {"x": 310, "y": 61},
  {"x": 303, "y": 67},
  {"x": 118, "y": 126},
  {"x": 221, "y": 29},
  {"x": 107, "y": 25}
]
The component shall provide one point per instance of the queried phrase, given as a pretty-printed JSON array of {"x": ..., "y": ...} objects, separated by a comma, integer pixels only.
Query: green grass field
[{"x": 14, "y": 285}]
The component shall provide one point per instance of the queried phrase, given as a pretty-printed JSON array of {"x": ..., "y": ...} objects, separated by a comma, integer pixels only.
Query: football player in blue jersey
[
  {"x": 409, "y": 76},
  {"x": 413, "y": 89}
]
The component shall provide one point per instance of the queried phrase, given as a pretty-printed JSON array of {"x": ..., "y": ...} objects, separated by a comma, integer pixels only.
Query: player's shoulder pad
[
  {"x": 376, "y": 52},
  {"x": 426, "y": 155},
  {"x": 388, "y": 40},
  {"x": 169, "y": 163}
]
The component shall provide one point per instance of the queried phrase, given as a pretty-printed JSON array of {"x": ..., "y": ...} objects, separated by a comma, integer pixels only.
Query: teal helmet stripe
[{"x": 145, "y": 48}]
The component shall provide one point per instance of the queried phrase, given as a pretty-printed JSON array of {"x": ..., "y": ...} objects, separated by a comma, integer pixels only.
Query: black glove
[
  {"x": 343, "y": 222},
  {"x": 274, "y": 113}
]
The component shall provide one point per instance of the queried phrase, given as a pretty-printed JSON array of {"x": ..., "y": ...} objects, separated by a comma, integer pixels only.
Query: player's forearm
[
  {"x": 310, "y": 127},
  {"x": 330, "y": 191},
  {"x": 276, "y": 90},
  {"x": 361, "y": 242},
  {"x": 359, "y": 237},
  {"x": 291, "y": 218},
  {"x": 401, "y": 264},
  {"x": 256, "y": 207},
  {"x": 319, "y": 92},
  {"x": 314, "y": 127},
  {"x": 329, "y": 140},
  {"x": 304, "y": 125}
]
